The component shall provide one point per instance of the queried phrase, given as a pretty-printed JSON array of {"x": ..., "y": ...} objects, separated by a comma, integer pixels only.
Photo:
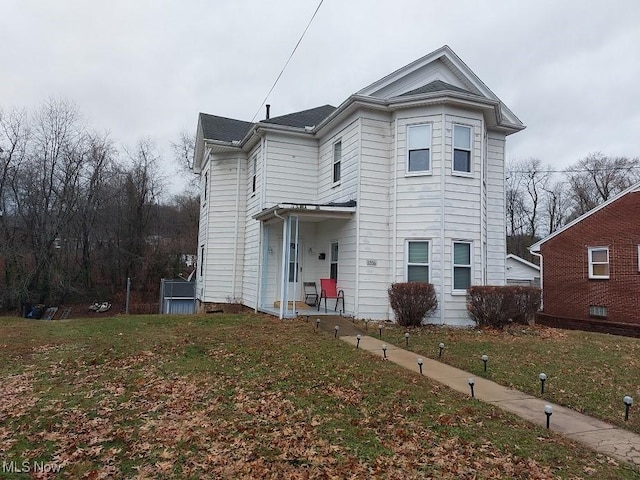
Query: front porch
[{"x": 298, "y": 244}]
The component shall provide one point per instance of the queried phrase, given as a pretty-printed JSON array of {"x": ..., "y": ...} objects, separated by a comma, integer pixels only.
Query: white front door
[{"x": 293, "y": 271}]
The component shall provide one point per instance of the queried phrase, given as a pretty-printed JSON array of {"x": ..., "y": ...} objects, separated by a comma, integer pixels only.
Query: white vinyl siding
[
  {"x": 418, "y": 149},
  {"x": 598, "y": 263},
  {"x": 462, "y": 266},
  {"x": 462, "y": 151},
  {"x": 291, "y": 170},
  {"x": 418, "y": 260}
]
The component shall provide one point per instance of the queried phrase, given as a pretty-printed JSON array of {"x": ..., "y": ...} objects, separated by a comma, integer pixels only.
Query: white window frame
[
  {"x": 427, "y": 147},
  {"x": 205, "y": 188},
  {"x": 254, "y": 176},
  {"x": 337, "y": 160},
  {"x": 453, "y": 151},
  {"x": 593, "y": 276},
  {"x": 334, "y": 261},
  {"x": 454, "y": 265},
  {"x": 407, "y": 264}
]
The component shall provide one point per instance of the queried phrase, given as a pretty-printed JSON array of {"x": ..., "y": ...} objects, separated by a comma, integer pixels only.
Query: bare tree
[
  {"x": 184, "y": 152},
  {"x": 597, "y": 177}
]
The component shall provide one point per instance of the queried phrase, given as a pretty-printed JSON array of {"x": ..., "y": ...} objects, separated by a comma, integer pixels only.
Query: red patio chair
[{"x": 329, "y": 289}]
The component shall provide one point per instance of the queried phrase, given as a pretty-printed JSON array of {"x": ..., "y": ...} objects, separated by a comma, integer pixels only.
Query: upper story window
[
  {"x": 206, "y": 187},
  {"x": 418, "y": 148},
  {"x": 461, "y": 266},
  {"x": 337, "y": 160},
  {"x": 418, "y": 261},
  {"x": 599, "y": 262},
  {"x": 254, "y": 176},
  {"x": 461, "y": 148}
]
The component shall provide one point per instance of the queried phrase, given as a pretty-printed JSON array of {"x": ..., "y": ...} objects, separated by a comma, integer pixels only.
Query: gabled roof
[
  {"x": 535, "y": 248},
  {"x": 522, "y": 261},
  {"x": 442, "y": 64},
  {"x": 222, "y": 128},
  {"x": 436, "y": 86},
  {"x": 305, "y": 118}
]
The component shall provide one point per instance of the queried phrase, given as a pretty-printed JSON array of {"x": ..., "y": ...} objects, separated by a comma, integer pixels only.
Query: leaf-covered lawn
[
  {"x": 588, "y": 372},
  {"x": 250, "y": 397}
]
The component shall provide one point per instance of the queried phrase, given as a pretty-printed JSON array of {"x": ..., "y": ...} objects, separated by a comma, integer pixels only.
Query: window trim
[
  {"x": 428, "y": 171},
  {"x": 202, "y": 260},
  {"x": 454, "y": 265},
  {"x": 206, "y": 187},
  {"x": 336, "y": 161},
  {"x": 592, "y": 276},
  {"x": 254, "y": 175},
  {"x": 407, "y": 264},
  {"x": 333, "y": 262},
  {"x": 462, "y": 173}
]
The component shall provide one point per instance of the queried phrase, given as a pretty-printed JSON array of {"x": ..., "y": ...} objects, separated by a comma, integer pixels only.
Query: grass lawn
[
  {"x": 249, "y": 396},
  {"x": 588, "y": 372}
]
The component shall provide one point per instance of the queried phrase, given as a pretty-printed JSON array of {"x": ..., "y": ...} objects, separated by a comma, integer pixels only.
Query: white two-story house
[{"x": 404, "y": 181}]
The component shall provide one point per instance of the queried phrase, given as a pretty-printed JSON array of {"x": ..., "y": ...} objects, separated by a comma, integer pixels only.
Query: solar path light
[
  {"x": 380, "y": 329},
  {"x": 384, "y": 351},
  {"x": 406, "y": 339},
  {"x": 336, "y": 328},
  {"x": 628, "y": 401},
  {"x": 472, "y": 382},
  {"x": 543, "y": 378},
  {"x": 420, "y": 362},
  {"x": 548, "y": 411},
  {"x": 317, "y": 323},
  {"x": 485, "y": 358},
  {"x": 441, "y": 347},
  {"x": 358, "y": 338}
]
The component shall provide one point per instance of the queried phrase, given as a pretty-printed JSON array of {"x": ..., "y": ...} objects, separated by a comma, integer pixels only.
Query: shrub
[
  {"x": 491, "y": 306},
  {"x": 412, "y": 301}
]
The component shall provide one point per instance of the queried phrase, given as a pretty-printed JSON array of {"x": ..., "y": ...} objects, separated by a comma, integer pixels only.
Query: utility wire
[{"x": 288, "y": 60}]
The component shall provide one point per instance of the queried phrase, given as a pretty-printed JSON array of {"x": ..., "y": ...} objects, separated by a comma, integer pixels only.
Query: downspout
[
  {"x": 483, "y": 216},
  {"x": 539, "y": 255},
  {"x": 356, "y": 306},
  {"x": 259, "y": 273},
  {"x": 235, "y": 233},
  {"x": 394, "y": 236},
  {"x": 443, "y": 171},
  {"x": 284, "y": 263}
]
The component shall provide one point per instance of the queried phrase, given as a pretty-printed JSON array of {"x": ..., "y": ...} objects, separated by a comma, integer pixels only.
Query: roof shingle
[
  {"x": 223, "y": 129},
  {"x": 305, "y": 118}
]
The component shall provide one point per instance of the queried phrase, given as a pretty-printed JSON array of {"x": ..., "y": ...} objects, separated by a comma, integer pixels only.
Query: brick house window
[
  {"x": 597, "y": 311},
  {"x": 599, "y": 263}
]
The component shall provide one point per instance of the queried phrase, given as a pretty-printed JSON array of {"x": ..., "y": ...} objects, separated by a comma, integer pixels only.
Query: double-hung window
[
  {"x": 337, "y": 160},
  {"x": 419, "y": 148},
  {"x": 254, "y": 176},
  {"x": 461, "y": 149},
  {"x": 418, "y": 261},
  {"x": 461, "y": 266},
  {"x": 599, "y": 263},
  {"x": 333, "y": 273}
]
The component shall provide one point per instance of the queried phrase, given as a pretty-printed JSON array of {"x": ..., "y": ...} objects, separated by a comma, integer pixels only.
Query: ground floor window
[
  {"x": 418, "y": 261},
  {"x": 461, "y": 265},
  {"x": 599, "y": 262},
  {"x": 333, "y": 274}
]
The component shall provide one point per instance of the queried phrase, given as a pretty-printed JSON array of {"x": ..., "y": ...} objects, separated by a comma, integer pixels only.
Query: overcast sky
[{"x": 569, "y": 69}]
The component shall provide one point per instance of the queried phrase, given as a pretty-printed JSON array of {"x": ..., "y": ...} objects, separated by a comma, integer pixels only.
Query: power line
[{"x": 288, "y": 60}]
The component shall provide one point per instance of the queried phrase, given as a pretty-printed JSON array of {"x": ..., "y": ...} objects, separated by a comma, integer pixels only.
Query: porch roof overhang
[{"x": 311, "y": 212}]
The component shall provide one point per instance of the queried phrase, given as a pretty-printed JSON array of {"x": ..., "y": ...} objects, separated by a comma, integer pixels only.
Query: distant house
[
  {"x": 404, "y": 181},
  {"x": 519, "y": 271},
  {"x": 591, "y": 267}
]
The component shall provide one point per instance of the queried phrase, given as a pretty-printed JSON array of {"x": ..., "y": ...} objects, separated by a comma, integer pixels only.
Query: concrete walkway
[{"x": 600, "y": 436}]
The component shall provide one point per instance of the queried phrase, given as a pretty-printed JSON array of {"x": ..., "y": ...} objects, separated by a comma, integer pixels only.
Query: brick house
[{"x": 591, "y": 268}]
